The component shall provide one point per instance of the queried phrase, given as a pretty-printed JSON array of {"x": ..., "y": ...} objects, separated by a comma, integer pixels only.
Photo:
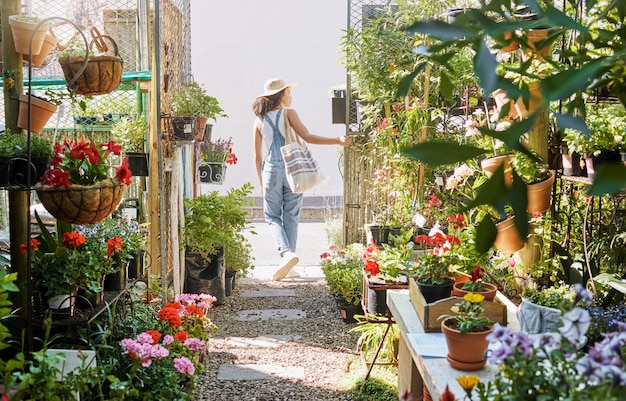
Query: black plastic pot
[
  {"x": 206, "y": 278},
  {"x": 348, "y": 311},
  {"x": 435, "y": 292},
  {"x": 137, "y": 163}
]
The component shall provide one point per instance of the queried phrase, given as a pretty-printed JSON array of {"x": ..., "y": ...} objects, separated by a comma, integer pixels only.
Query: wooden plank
[{"x": 429, "y": 313}]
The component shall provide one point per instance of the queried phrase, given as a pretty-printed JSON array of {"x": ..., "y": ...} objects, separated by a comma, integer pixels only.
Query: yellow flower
[
  {"x": 474, "y": 298},
  {"x": 468, "y": 382}
]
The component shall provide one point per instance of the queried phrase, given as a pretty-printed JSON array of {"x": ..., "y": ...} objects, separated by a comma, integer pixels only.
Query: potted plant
[
  {"x": 465, "y": 332},
  {"x": 62, "y": 262},
  {"x": 213, "y": 158},
  {"x": 342, "y": 268},
  {"x": 38, "y": 113},
  {"x": 604, "y": 141},
  {"x": 130, "y": 132},
  {"x": 541, "y": 308},
  {"x": 80, "y": 187},
  {"x": 538, "y": 179},
  {"x": 476, "y": 285},
  {"x": 192, "y": 107},
  {"x": 120, "y": 240},
  {"x": 23, "y": 28},
  {"x": 96, "y": 70},
  {"x": 212, "y": 225},
  {"x": 14, "y": 158}
]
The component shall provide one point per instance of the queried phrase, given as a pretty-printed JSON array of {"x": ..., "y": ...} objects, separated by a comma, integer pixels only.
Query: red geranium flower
[
  {"x": 155, "y": 335},
  {"x": 372, "y": 267},
  {"x": 122, "y": 172},
  {"x": 72, "y": 239},
  {"x": 181, "y": 336},
  {"x": 114, "y": 245}
]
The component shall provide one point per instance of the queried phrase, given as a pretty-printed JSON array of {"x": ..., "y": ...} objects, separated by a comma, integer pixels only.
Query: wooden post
[
  {"x": 19, "y": 202},
  {"x": 12, "y": 64}
]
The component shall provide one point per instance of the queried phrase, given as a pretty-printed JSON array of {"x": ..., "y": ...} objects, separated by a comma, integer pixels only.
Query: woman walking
[{"x": 281, "y": 206}]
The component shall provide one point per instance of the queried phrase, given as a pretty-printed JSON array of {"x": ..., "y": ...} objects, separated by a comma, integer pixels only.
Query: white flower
[{"x": 503, "y": 125}]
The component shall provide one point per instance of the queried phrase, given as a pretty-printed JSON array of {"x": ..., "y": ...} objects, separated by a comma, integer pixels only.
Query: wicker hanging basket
[
  {"x": 101, "y": 75},
  {"x": 79, "y": 204}
]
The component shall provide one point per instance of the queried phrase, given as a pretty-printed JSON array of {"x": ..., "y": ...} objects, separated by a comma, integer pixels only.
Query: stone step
[
  {"x": 253, "y": 315},
  {"x": 266, "y": 341},
  {"x": 258, "y": 372},
  {"x": 268, "y": 293}
]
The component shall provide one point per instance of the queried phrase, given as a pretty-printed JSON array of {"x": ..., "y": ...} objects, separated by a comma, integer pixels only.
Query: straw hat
[{"x": 275, "y": 85}]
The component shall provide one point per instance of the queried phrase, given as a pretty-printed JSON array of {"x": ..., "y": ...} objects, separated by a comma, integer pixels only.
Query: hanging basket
[
  {"x": 101, "y": 75},
  {"x": 79, "y": 204},
  {"x": 211, "y": 172}
]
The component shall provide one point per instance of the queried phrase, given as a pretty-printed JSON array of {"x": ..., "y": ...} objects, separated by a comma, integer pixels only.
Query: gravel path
[{"x": 322, "y": 346}]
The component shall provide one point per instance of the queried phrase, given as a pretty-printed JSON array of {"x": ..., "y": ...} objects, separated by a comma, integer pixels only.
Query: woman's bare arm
[{"x": 303, "y": 132}]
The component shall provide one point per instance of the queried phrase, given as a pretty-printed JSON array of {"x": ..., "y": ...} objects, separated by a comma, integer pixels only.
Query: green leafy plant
[
  {"x": 12, "y": 144},
  {"x": 393, "y": 262},
  {"x": 559, "y": 296},
  {"x": 191, "y": 99},
  {"x": 130, "y": 132},
  {"x": 530, "y": 168},
  {"x": 343, "y": 270},
  {"x": 469, "y": 315},
  {"x": 606, "y": 124},
  {"x": 372, "y": 331},
  {"x": 212, "y": 221}
]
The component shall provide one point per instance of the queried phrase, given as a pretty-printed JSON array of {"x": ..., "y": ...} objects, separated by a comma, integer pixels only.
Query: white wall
[{"x": 238, "y": 45}]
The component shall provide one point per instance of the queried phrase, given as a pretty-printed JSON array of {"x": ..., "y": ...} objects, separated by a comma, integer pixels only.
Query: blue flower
[{"x": 575, "y": 325}]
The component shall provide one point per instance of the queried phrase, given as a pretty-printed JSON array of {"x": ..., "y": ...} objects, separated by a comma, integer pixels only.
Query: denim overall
[{"x": 280, "y": 206}]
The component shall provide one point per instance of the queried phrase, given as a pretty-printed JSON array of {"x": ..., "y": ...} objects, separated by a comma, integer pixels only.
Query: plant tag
[
  {"x": 187, "y": 129},
  {"x": 439, "y": 180}
]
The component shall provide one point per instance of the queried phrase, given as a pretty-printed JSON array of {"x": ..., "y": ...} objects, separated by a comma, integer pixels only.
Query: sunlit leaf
[
  {"x": 405, "y": 82},
  {"x": 567, "y": 82},
  {"x": 436, "y": 153},
  {"x": 446, "y": 86}
]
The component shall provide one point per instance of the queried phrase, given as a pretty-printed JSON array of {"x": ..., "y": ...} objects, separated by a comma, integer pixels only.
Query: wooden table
[{"x": 416, "y": 372}]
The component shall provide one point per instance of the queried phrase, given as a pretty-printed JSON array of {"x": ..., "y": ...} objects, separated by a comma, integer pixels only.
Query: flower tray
[
  {"x": 429, "y": 313},
  {"x": 79, "y": 204}
]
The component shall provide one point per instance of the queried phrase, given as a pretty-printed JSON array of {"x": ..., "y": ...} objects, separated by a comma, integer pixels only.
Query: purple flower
[
  {"x": 575, "y": 325},
  {"x": 145, "y": 338},
  {"x": 499, "y": 333},
  {"x": 582, "y": 294},
  {"x": 168, "y": 340},
  {"x": 184, "y": 365}
]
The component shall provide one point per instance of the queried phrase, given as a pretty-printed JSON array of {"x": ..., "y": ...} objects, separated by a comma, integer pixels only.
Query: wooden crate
[{"x": 429, "y": 313}]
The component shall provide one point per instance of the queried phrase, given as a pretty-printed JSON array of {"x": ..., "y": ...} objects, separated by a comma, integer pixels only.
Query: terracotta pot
[
  {"x": 536, "y": 98},
  {"x": 512, "y": 46},
  {"x": 489, "y": 293},
  {"x": 40, "y": 113},
  {"x": 466, "y": 351},
  {"x": 535, "y": 36},
  {"x": 508, "y": 240},
  {"x": 539, "y": 195},
  {"x": 22, "y": 32},
  {"x": 491, "y": 164},
  {"x": 38, "y": 59},
  {"x": 500, "y": 98},
  {"x": 79, "y": 204}
]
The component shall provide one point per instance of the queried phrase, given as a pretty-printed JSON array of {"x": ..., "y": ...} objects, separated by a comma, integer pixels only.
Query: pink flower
[
  {"x": 511, "y": 263},
  {"x": 145, "y": 338},
  {"x": 168, "y": 340},
  {"x": 184, "y": 365},
  {"x": 536, "y": 215},
  {"x": 194, "y": 344}
]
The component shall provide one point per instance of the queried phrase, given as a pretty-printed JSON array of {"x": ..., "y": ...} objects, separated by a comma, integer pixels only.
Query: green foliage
[
  {"x": 12, "y": 144},
  {"x": 559, "y": 296},
  {"x": 468, "y": 316},
  {"x": 605, "y": 127},
  {"x": 130, "y": 132},
  {"x": 529, "y": 168},
  {"x": 372, "y": 330},
  {"x": 213, "y": 221},
  {"x": 343, "y": 270},
  {"x": 192, "y": 100}
]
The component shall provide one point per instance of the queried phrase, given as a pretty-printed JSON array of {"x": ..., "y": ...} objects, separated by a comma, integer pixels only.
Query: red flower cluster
[
  {"x": 83, "y": 162},
  {"x": 169, "y": 314},
  {"x": 114, "y": 245},
  {"x": 371, "y": 265},
  {"x": 476, "y": 274},
  {"x": 72, "y": 239},
  {"x": 155, "y": 335},
  {"x": 232, "y": 158},
  {"x": 181, "y": 336}
]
